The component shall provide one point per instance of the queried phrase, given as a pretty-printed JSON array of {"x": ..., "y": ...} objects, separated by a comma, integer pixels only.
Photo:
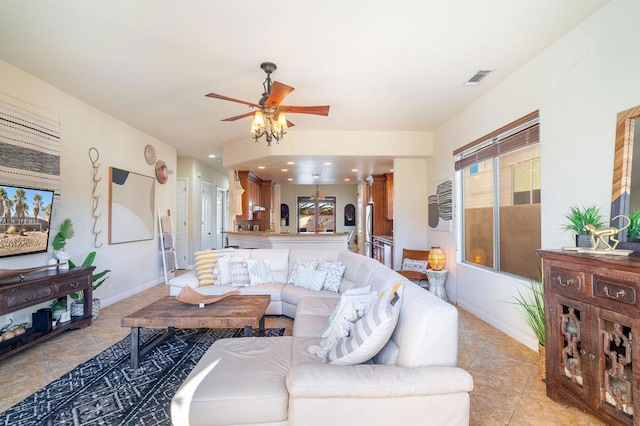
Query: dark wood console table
[
  {"x": 39, "y": 287},
  {"x": 592, "y": 326}
]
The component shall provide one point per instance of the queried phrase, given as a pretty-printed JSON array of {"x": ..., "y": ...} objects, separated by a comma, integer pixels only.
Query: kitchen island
[{"x": 302, "y": 240}]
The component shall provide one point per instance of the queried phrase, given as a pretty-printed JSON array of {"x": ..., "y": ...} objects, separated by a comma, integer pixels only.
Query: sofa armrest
[
  {"x": 189, "y": 279},
  {"x": 319, "y": 380}
]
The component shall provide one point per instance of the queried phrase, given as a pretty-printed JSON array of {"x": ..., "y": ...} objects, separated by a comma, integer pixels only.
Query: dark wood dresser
[
  {"x": 40, "y": 287},
  {"x": 592, "y": 321}
]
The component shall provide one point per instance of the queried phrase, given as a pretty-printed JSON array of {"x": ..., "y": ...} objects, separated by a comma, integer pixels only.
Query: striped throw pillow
[
  {"x": 205, "y": 262},
  {"x": 371, "y": 332}
]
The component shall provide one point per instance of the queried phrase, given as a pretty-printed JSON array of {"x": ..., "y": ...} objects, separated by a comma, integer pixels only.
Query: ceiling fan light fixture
[{"x": 257, "y": 125}]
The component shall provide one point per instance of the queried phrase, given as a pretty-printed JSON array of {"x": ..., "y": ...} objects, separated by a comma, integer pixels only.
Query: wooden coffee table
[{"x": 231, "y": 312}]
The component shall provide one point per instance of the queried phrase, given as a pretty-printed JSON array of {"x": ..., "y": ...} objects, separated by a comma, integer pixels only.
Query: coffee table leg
[
  {"x": 261, "y": 326},
  {"x": 135, "y": 347},
  {"x": 247, "y": 331}
]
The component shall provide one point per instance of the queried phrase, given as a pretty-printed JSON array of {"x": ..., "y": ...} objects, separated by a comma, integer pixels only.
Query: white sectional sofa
[{"x": 413, "y": 380}]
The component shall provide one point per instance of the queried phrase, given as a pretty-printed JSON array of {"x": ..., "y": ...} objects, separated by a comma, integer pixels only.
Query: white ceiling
[{"x": 381, "y": 65}]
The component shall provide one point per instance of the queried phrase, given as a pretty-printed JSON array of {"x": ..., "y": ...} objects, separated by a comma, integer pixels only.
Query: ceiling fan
[{"x": 270, "y": 117}]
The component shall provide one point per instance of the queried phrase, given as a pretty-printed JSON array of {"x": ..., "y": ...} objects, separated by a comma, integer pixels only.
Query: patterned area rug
[{"x": 106, "y": 391}]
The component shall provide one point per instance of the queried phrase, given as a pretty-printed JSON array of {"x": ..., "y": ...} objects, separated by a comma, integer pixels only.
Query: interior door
[
  {"x": 181, "y": 244},
  {"x": 220, "y": 223},
  {"x": 207, "y": 217}
]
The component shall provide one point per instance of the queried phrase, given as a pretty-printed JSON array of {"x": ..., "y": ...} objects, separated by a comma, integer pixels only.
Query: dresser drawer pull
[
  {"x": 619, "y": 293},
  {"x": 30, "y": 297},
  {"x": 566, "y": 283},
  {"x": 74, "y": 285}
]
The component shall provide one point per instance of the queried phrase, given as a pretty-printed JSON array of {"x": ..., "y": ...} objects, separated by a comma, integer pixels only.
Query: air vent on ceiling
[{"x": 473, "y": 81}]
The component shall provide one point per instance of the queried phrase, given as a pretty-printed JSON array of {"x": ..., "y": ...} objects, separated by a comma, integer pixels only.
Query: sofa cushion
[
  {"x": 205, "y": 262},
  {"x": 371, "y": 332},
  {"x": 352, "y": 306},
  {"x": 301, "y": 265},
  {"x": 246, "y": 384},
  {"x": 239, "y": 272},
  {"x": 310, "y": 279},
  {"x": 335, "y": 271},
  {"x": 259, "y": 271},
  {"x": 277, "y": 258}
]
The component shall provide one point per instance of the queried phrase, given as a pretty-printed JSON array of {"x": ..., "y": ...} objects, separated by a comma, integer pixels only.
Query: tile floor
[{"x": 507, "y": 390}]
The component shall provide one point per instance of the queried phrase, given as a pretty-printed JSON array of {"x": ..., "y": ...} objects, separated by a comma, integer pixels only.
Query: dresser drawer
[
  {"x": 614, "y": 290},
  {"x": 27, "y": 298},
  {"x": 567, "y": 279}
]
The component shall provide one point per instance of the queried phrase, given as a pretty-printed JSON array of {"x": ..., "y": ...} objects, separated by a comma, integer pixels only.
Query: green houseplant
[
  {"x": 65, "y": 232},
  {"x": 77, "y": 307},
  {"x": 577, "y": 218},
  {"x": 633, "y": 232},
  {"x": 533, "y": 312}
]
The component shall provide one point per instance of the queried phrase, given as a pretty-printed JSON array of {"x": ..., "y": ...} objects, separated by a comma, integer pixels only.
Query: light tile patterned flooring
[{"x": 507, "y": 390}]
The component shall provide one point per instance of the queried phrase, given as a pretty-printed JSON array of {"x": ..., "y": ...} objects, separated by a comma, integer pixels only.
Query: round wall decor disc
[
  {"x": 162, "y": 174},
  {"x": 150, "y": 154}
]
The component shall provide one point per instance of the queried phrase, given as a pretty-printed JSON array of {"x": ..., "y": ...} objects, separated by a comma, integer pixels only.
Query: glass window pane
[
  {"x": 306, "y": 216},
  {"x": 478, "y": 183},
  {"x": 520, "y": 212}
]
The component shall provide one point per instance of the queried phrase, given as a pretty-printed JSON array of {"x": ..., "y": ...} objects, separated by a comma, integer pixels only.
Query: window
[
  {"x": 500, "y": 199},
  {"x": 312, "y": 212}
]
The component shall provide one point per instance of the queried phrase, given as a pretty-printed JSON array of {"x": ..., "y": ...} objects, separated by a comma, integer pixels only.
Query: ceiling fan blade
[
  {"x": 226, "y": 98},
  {"x": 238, "y": 117},
  {"x": 316, "y": 110},
  {"x": 278, "y": 92}
]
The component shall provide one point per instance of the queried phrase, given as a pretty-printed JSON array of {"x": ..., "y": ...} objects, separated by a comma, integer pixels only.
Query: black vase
[{"x": 583, "y": 241}]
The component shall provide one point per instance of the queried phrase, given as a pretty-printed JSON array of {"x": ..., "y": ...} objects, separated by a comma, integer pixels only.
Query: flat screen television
[{"x": 24, "y": 220}]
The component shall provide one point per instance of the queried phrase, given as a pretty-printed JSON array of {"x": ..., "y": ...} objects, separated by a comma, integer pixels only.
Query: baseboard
[{"x": 121, "y": 296}]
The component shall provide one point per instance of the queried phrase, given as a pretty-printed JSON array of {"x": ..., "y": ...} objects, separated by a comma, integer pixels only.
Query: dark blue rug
[{"x": 106, "y": 391}]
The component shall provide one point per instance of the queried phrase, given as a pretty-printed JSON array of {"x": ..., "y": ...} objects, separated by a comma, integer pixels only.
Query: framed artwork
[
  {"x": 131, "y": 206},
  {"x": 440, "y": 206},
  {"x": 349, "y": 215}
]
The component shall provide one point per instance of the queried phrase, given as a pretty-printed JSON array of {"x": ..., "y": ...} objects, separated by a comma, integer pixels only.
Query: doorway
[
  {"x": 221, "y": 196},
  {"x": 181, "y": 244},
  {"x": 207, "y": 217}
]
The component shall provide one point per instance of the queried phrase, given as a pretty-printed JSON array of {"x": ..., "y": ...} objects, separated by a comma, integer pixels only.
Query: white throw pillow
[
  {"x": 371, "y": 332},
  {"x": 414, "y": 265},
  {"x": 310, "y": 279},
  {"x": 223, "y": 271},
  {"x": 239, "y": 272},
  {"x": 259, "y": 271},
  {"x": 335, "y": 271},
  {"x": 302, "y": 264},
  {"x": 353, "y": 305}
]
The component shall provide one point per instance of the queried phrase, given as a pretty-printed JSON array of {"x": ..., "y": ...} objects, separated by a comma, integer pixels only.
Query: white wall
[
  {"x": 578, "y": 84},
  {"x": 135, "y": 266},
  {"x": 196, "y": 172}
]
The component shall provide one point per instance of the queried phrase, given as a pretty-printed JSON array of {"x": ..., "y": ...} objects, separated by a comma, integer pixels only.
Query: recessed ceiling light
[
  {"x": 354, "y": 170},
  {"x": 212, "y": 156},
  {"x": 290, "y": 179},
  {"x": 291, "y": 163},
  {"x": 284, "y": 170},
  {"x": 347, "y": 179},
  {"x": 261, "y": 167},
  {"x": 391, "y": 170},
  {"x": 327, "y": 163}
]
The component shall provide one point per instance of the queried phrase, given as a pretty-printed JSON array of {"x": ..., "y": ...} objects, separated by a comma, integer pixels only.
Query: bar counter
[{"x": 303, "y": 240}]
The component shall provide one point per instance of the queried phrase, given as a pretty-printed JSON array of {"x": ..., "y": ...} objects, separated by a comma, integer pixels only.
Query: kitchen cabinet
[
  {"x": 376, "y": 188},
  {"x": 251, "y": 195},
  {"x": 388, "y": 196},
  {"x": 592, "y": 323},
  {"x": 383, "y": 250}
]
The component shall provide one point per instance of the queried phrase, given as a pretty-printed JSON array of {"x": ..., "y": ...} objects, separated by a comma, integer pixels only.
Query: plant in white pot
[
  {"x": 65, "y": 232},
  {"x": 77, "y": 307},
  {"x": 533, "y": 312}
]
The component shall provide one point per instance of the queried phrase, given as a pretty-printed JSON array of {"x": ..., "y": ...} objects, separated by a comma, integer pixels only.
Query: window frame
[{"x": 306, "y": 199}]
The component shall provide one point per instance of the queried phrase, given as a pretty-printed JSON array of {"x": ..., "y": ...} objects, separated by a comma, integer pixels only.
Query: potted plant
[
  {"x": 77, "y": 307},
  {"x": 578, "y": 218},
  {"x": 533, "y": 311},
  {"x": 633, "y": 232},
  {"x": 65, "y": 232}
]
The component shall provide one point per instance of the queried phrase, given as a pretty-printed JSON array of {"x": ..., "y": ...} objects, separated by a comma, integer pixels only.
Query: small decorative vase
[
  {"x": 77, "y": 308},
  {"x": 95, "y": 308},
  {"x": 63, "y": 257}
]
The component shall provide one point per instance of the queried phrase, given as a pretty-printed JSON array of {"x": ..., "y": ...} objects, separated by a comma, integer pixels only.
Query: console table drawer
[
  {"x": 567, "y": 279},
  {"x": 70, "y": 286},
  {"x": 614, "y": 291},
  {"x": 22, "y": 299}
]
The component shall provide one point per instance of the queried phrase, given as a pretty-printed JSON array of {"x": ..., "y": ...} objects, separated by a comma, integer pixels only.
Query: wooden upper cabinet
[
  {"x": 377, "y": 189},
  {"x": 388, "y": 196},
  {"x": 251, "y": 195}
]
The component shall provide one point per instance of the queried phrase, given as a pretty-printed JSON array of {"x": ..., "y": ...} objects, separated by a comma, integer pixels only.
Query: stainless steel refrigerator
[{"x": 368, "y": 230}]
